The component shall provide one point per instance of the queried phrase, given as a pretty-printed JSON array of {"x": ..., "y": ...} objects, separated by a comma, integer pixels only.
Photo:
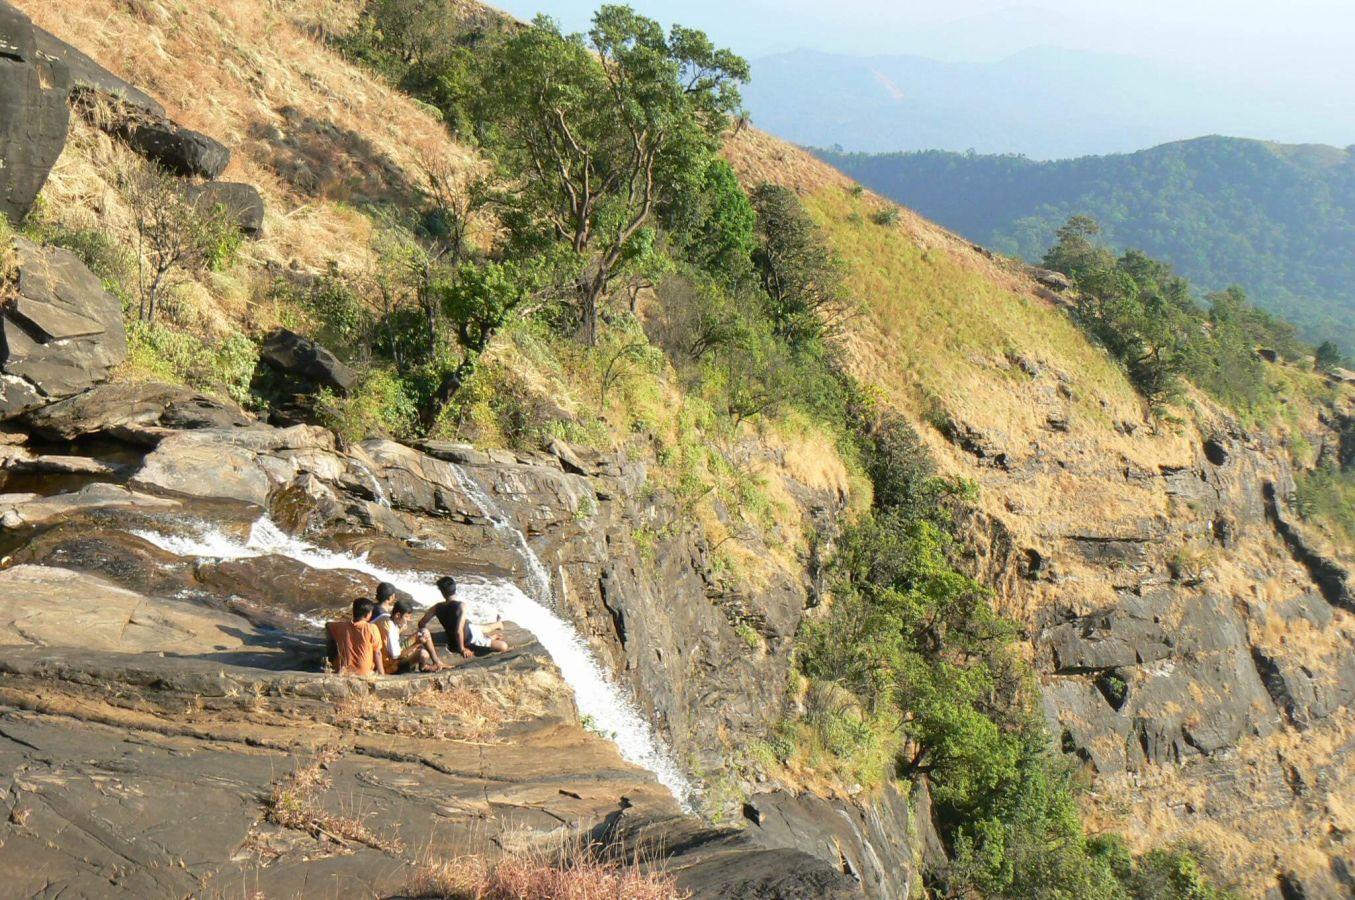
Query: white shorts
[{"x": 478, "y": 638}]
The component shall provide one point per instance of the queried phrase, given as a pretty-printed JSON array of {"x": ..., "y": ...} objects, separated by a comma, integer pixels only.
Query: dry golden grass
[
  {"x": 574, "y": 872},
  {"x": 294, "y": 803},
  {"x": 317, "y": 136}
]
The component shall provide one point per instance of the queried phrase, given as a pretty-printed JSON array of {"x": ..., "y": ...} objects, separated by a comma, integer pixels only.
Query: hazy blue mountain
[
  {"x": 1277, "y": 219},
  {"x": 1043, "y": 102}
]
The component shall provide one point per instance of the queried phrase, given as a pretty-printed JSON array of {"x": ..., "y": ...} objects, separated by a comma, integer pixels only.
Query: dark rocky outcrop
[
  {"x": 62, "y": 332},
  {"x": 136, "y": 412},
  {"x": 179, "y": 150},
  {"x": 241, "y": 202},
  {"x": 880, "y": 844},
  {"x": 302, "y": 365},
  {"x": 1332, "y": 579},
  {"x": 34, "y": 116}
]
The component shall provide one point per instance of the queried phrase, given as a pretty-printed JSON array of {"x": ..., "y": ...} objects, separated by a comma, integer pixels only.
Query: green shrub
[
  {"x": 380, "y": 405},
  {"x": 1326, "y": 497},
  {"x": 888, "y": 216},
  {"x": 225, "y": 366},
  {"x": 1327, "y": 356}
]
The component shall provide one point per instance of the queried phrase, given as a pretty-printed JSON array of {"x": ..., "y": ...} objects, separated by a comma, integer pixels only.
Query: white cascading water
[
  {"x": 540, "y": 578},
  {"x": 378, "y": 492},
  {"x": 596, "y": 695}
]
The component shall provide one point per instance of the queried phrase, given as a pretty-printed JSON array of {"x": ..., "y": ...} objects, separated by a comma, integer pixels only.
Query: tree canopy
[{"x": 601, "y": 129}]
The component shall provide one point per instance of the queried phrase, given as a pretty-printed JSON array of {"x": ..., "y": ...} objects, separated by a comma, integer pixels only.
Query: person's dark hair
[
  {"x": 447, "y": 585},
  {"x": 363, "y": 609},
  {"x": 402, "y": 607},
  {"x": 384, "y": 591}
]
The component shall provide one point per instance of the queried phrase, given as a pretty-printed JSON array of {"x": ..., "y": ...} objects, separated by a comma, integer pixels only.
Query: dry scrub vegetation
[
  {"x": 295, "y": 803},
  {"x": 573, "y": 871},
  {"x": 456, "y": 712},
  {"x": 317, "y": 136}
]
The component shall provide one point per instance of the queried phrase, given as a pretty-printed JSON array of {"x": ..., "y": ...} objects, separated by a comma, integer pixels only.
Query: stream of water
[
  {"x": 597, "y": 696},
  {"x": 536, "y": 571}
]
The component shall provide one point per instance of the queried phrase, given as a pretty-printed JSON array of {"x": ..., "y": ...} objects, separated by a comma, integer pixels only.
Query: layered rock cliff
[{"x": 1191, "y": 636}]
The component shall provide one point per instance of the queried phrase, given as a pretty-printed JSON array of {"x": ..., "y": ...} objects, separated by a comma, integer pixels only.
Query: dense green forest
[{"x": 1278, "y": 220}]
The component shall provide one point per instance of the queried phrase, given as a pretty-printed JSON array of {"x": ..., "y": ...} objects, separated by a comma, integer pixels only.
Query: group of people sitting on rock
[{"x": 372, "y": 641}]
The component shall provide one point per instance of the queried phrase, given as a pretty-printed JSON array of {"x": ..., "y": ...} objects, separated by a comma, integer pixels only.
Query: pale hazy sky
[{"x": 1308, "y": 43}]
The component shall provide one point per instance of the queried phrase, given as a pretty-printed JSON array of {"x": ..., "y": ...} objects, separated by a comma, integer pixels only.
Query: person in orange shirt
[{"x": 355, "y": 646}]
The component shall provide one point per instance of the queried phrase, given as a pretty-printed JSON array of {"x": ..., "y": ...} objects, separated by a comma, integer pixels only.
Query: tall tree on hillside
[
  {"x": 800, "y": 274},
  {"x": 1327, "y": 357},
  {"x": 607, "y": 128}
]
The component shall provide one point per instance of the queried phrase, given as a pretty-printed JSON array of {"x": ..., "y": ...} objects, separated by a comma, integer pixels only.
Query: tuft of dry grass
[
  {"x": 458, "y": 712},
  {"x": 294, "y": 803},
  {"x": 575, "y": 872}
]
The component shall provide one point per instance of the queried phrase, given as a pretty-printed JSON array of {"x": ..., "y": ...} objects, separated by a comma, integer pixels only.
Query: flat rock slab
[
  {"x": 27, "y": 509},
  {"x": 62, "y": 331},
  {"x": 46, "y": 606},
  {"x": 114, "y": 409}
]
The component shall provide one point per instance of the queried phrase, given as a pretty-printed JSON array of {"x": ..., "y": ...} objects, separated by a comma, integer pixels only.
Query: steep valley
[{"x": 168, "y": 554}]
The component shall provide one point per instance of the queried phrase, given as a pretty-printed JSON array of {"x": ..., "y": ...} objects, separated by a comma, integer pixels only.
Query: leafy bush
[
  {"x": 1145, "y": 315},
  {"x": 172, "y": 234},
  {"x": 380, "y": 404},
  {"x": 1326, "y": 496},
  {"x": 1327, "y": 356},
  {"x": 799, "y": 274},
  {"x": 164, "y": 352},
  {"x": 714, "y": 227},
  {"x": 887, "y": 216}
]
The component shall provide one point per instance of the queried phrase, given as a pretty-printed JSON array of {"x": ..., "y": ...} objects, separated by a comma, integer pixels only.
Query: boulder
[
  {"x": 185, "y": 464},
  {"x": 129, "y": 410},
  {"x": 182, "y": 151},
  {"x": 306, "y": 364},
  {"x": 33, "y": 115},
  {"x": 20, "y": 510},
  {"x": 86, "y": 73},
  {"x": 62, "y": 331},
  {"x": 1048, "y": 278},
  {"x": 241, "y": 203}
]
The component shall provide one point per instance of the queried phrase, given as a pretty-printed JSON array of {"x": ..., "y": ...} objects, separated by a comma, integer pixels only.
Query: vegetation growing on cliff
[
  {"x": 711, "y": 335},
  {"x": 1223, "y": 210},
  {"x": 1146, "y": 316}
]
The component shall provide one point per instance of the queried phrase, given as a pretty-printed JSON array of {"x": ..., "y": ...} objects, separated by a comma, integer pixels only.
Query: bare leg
[
  {"x": 429, "y": 649},
  {"x": 498, "y": 645}
]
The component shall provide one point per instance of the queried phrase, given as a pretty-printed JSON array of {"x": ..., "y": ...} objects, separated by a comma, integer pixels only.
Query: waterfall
[
  {"x": 597, "y": 696},
  {"x": 536, "y": 572},
  {"x": 378, "y": 492}
]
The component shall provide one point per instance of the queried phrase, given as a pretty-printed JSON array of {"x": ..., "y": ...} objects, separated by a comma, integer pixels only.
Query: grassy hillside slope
[
  {"x": 1010, "y": 395},
  {"x": 1005, "y": 391},
  {"x": 1277, "y": 219}
]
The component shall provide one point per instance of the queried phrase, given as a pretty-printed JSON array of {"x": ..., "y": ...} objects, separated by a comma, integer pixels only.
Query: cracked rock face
[
  {"x": 33, "y": 114},
  {"x": 60, "y": 331}
]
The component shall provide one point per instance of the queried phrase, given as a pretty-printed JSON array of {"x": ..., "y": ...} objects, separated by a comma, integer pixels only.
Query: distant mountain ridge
[
  {"x": 1045, "y": 102},
  {"x": 1277, "y": 219}
]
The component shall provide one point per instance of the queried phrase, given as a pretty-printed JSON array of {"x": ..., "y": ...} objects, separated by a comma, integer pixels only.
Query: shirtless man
[{"x": 463, "y": 636}]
